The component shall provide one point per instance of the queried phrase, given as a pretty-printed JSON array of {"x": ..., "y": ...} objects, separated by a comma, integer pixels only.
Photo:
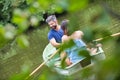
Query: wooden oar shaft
[
  {"x": 34, "y": 71},
  {"x": 37, "y": 68},
  {"x": 116, "y": 34}
]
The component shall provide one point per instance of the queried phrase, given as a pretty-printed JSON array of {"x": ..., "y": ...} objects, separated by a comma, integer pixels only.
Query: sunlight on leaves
[
  {"x": 34, "y": 21},
  {"x": 20, "y": 18},
  {"x": 22, "y": 41},
  {"x": 10, "y": 31}
]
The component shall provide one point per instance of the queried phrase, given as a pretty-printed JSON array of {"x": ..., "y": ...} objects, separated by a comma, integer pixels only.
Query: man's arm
[{"x": 54, "y": 43}]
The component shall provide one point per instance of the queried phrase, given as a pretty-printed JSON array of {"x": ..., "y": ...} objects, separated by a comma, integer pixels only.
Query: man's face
[{"x": 52, "y": 24}]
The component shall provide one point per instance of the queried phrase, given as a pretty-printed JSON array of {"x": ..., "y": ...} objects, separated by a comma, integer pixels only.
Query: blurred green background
[{"x": 23, "y": 36}]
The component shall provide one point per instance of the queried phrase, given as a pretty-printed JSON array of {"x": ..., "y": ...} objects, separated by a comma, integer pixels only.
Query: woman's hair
[{"x": 64, "y": 25}]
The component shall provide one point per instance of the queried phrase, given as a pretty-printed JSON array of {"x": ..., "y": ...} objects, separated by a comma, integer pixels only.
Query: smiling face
[{"x": 53, "y": 24}]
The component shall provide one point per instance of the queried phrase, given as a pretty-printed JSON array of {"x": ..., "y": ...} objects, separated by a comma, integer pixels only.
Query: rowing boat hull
[{"x": 49, "y": 50}]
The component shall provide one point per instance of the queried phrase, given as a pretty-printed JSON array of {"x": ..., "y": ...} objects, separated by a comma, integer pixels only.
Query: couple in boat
[{"x": 58, "y": 34}]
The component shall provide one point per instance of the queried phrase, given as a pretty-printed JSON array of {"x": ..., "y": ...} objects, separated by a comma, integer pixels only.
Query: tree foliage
[{"x": 25, "y": 13}]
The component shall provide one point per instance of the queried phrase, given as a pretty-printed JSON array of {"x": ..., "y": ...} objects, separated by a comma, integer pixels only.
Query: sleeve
[{"x": 50, "y": 36}]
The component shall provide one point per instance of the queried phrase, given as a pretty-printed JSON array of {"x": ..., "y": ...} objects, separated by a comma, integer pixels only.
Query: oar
[
  {"x": 36, "y": 69},
  {"x": 116, "y": 34}
]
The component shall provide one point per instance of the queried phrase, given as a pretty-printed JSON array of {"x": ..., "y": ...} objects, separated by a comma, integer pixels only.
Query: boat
[{"x": 69, "y": 70}]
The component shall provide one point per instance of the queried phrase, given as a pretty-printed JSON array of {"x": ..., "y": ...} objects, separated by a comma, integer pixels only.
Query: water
[{"x": 15, "y": 57}]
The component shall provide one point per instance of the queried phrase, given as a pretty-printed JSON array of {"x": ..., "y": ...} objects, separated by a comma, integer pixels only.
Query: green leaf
[
  {"x": 3, "y": 40},
  {"x": 34, "y": 21},
  {"x": 22, "y": 41},
  {"x": 2, "y": 30},
  {"x": 88, "y": 34},
  {"x": 63, "y": 63},
  {"x": 21, "y": 19},
  {"x": 58, "y": 9},
  {"x": 29, "y": 1},
  {"x": 85, "y": 53},
  {"x": 45, "y": 3},
  {"x": 10, "y": 31},
  {"x": 61, "y": 5},
  {"x": 75, "y": 5},
  {"x": 66, "y": 45}
]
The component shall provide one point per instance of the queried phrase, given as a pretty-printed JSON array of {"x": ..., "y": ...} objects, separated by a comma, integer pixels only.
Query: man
[{"x": 57, "y": 32}]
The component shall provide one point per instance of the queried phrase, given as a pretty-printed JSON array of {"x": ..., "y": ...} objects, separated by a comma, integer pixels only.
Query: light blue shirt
[{"x": 73, "y": 52}]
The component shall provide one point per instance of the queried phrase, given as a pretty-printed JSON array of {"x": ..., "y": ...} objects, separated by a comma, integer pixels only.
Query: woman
[{"x": 73, "y": 52}]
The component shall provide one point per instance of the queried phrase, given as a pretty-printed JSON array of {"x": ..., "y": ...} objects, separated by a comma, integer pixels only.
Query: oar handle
[{"x": 116, "y": 34}]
